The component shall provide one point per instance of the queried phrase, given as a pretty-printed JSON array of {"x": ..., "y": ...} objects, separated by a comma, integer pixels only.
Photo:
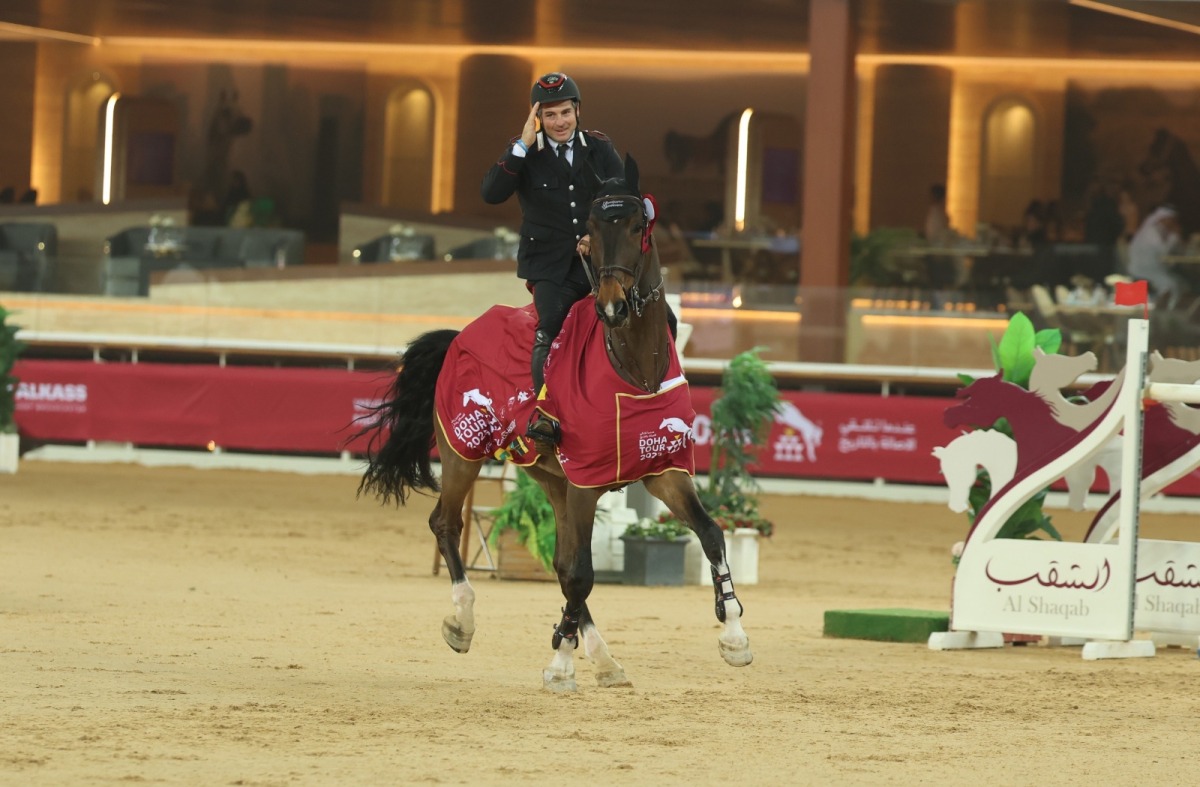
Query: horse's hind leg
[
  {"x": 677, "y": 492},
  {"x": 446, "y": 522}
]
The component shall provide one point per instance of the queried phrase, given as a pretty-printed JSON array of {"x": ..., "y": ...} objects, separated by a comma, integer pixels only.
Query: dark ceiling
[{"x": 994, "y": 27}]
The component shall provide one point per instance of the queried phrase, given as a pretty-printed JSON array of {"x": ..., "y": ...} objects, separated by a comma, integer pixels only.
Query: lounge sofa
[
  {"x": 28, "y": 251},
  {"x": 133, "y": 254}
]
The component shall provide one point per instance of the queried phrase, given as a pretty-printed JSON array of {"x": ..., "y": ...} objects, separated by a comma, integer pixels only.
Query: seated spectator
[{"x": 1158, "y": 236}]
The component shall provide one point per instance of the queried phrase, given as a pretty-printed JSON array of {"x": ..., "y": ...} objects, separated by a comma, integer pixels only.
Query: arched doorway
[
  {"x": 81, "y": 159},
  {"x": 408, "y": 152},
  {"x": 1008, "y": 179}
]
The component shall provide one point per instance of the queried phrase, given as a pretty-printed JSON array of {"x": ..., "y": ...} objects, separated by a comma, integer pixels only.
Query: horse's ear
[
  {"x": 597, "y": 181},
  {"x": 631, "y": 174}
]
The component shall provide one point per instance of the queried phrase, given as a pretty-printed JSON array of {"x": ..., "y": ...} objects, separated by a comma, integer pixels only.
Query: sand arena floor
[{"x": 176, "y": 626}]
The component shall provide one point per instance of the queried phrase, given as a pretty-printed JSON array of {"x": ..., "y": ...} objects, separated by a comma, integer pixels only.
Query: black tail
[{"x": 401, "y": 428}]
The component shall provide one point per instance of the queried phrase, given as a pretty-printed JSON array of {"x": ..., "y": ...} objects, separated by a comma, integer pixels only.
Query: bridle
[{"x": 616, "y": 207}]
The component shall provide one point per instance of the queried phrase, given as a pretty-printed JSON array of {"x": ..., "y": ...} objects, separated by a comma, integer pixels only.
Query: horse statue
[
  {"x": 686, "y": 150},
  {"x": 1170, "y": 174},
  {"x": 992, "y": 450},
  {"x": 612, "y": 377},
  {"x": 228, "y": 122}
]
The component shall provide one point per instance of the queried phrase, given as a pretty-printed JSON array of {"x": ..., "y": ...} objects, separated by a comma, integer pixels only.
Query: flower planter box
[
  {"x": 653, "y": 561},
  {"x": 513, "y": 560},
  {"x": 9, "y": 451},
  {"x": 741, "y": 551}
]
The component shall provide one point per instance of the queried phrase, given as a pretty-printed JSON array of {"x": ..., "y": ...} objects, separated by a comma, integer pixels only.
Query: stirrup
[{"x": 543, "y": 429}]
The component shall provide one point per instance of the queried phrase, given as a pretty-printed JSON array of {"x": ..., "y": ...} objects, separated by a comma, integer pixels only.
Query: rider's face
[{"x": 559, "y": 120}]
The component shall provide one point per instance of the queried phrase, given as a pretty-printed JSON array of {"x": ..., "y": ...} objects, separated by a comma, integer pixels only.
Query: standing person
[
  {"x": 937, "y": 219},
  {"x": 553, "y": 168},
  {"x": 941, "y": 269},
  {"x": 1103, "y": 225}
]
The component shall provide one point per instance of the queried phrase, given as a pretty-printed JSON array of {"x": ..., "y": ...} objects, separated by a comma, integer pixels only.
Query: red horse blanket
[{"x": 613, "y": 433}]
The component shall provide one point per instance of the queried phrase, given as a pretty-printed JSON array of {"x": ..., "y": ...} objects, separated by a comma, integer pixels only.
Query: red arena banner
[
  {"x": 850, "y": 436},
  {"x": 194, "y": 406},
  {"x": 855, "y": 437}
]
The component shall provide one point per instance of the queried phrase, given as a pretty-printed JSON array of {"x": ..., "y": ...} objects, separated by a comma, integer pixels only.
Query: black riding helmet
[{"x": 555, "y": 86}]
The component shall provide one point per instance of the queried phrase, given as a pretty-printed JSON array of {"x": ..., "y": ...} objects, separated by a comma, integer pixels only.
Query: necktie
[{"x": 562, "y": 153}]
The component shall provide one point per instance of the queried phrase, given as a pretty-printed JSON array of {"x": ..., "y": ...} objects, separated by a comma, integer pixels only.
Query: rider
[{"x": 550, "y": 167}]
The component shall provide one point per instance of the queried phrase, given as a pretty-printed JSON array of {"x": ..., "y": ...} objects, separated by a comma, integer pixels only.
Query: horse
[{"x": 628, "y": 314}]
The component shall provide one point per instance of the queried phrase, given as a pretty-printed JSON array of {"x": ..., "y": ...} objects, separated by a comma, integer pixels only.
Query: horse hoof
[
  {"x": 558, "y": 683},
  {"x": 736, "y": 656},
  {"x": 613, "y": 680},
  {"x": 458, "y": 640}
]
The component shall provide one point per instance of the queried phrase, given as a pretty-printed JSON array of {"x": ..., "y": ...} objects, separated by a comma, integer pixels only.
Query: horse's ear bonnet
[
  {"x": 616, "y": 207},
  {"x": 631, "y": 174},
  {"x": 620, "y": 198}
]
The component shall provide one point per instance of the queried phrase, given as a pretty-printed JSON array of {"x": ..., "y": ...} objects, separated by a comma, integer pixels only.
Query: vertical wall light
[
  {"x": 743, "y": 149},
  {"x": 110, "y": 114}
]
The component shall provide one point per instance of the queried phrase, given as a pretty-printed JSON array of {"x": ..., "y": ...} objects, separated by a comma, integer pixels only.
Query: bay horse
[{"x": 630, "y": 314}]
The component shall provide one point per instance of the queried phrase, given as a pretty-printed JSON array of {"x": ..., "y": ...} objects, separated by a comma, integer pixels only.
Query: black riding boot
[{"x": 541, "y": 428}]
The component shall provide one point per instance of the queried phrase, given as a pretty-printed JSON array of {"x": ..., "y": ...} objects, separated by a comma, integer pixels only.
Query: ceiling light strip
[
  {"x": 1129, "y": 13},
  {"x": 26, "y": 31}
]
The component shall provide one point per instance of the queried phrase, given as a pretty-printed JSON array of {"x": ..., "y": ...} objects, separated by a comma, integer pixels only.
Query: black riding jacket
[{"x": 555, "y": 201}]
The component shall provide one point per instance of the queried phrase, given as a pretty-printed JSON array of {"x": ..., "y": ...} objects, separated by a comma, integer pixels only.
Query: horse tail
[{"x": 401, "y": 427}]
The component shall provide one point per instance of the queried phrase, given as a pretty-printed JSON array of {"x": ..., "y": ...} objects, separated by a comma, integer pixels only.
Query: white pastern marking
[
  {"x": 596, "y": 649},
  {"x": 563, "y": 663},
  {"x": 463, "y": 596}
]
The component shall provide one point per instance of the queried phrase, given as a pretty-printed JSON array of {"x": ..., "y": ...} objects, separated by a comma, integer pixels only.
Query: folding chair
[{"x": 479, "y": 519}]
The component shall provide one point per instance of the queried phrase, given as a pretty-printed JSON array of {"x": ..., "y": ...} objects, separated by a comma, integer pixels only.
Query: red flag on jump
[{"x": 1131, "y": 294}]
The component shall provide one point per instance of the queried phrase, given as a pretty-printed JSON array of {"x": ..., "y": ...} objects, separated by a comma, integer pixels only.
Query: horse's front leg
[
  {"x": 573, "y": 564},
  {"x": 679, "y": 494}
]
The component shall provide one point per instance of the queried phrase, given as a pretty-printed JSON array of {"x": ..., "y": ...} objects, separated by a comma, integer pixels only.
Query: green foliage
[
  {"x": 665, "y": 528},
  {"x": 1014, "y": 357},
  {"x": 10, "y": 348},
  {"x": 741, "y": 423},
  {"x": 1026, "y": 522},
  {"x": 871, "y": 259},
  {"x": 526, "y": 510}
]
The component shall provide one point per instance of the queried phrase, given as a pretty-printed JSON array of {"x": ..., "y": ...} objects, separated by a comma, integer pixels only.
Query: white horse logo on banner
[{"x": 790, "y": 416}]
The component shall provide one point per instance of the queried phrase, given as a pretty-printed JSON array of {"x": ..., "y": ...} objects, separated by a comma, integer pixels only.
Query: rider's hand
[
  {"x": 529, "y": 133},
  {"x": 584, "y": 247}
]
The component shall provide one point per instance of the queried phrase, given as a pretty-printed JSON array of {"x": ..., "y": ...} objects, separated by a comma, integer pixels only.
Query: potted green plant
[
  {"x": 525, "y": 519},
  {"x": 10, "y": 348},
  {"x": 655, "y": 552},
  {"x": 741, "y": 423},
  {"x": 873, "y": 261}
]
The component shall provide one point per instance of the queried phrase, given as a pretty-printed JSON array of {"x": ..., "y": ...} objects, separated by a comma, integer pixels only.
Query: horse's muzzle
[{"x": 615, "y": 313}]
